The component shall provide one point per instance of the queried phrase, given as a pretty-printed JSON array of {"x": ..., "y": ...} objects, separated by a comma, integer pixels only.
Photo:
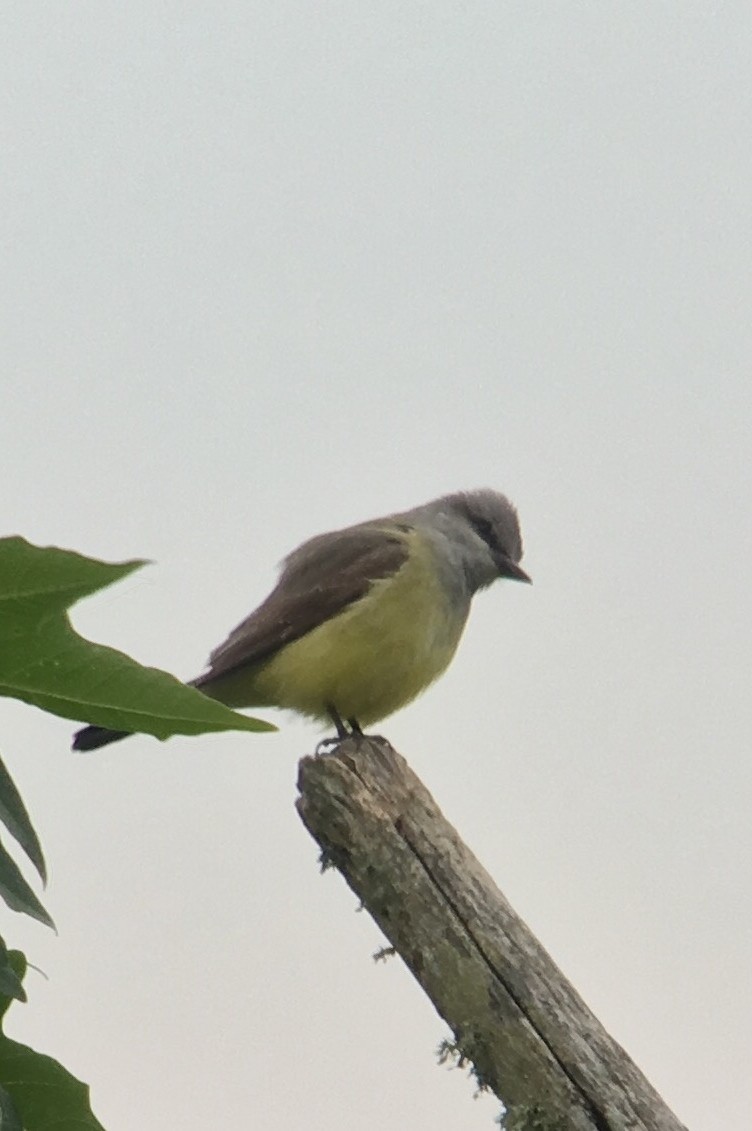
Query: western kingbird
[{"x": 363, "y": 619}]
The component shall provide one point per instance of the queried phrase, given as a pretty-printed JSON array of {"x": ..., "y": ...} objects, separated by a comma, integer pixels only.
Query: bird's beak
[{"x": 508, "y": 568}]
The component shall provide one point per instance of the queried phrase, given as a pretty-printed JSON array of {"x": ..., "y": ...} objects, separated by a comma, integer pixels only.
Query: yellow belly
[{"x": 372, "y": 658}]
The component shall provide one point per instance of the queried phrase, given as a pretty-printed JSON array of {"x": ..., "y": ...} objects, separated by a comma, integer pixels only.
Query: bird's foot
[{"x": 327, "y": 745}]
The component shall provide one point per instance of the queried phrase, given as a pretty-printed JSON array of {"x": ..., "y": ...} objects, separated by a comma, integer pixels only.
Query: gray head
[{"x": 487, "y": 535}]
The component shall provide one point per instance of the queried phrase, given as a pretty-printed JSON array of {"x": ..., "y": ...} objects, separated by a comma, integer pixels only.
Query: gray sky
[{"x": 271, "y": 268}]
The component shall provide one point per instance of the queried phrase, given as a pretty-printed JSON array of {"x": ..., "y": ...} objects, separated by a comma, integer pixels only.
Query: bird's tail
[{"x": 89, "y": 738}]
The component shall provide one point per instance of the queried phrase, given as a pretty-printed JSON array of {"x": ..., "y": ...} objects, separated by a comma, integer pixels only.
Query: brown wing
[{"x": 320, "y": 579}]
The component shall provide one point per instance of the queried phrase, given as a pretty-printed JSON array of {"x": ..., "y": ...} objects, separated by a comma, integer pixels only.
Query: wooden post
[{"x": 529, "y": 1036}]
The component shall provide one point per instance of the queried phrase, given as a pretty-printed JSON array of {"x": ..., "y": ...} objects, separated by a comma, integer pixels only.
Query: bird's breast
[{"x": 377, "y": 654}]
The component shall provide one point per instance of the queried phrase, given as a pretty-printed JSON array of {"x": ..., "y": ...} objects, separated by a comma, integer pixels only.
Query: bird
[{"x": 363, "y": 619}]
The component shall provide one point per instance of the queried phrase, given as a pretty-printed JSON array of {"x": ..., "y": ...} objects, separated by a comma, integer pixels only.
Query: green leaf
[
  {"x": 43, "y": 1093},
  {"x": 43, "y": 660},
  {"x": 13, "y": 887},
  {"x": 16, "y": 959},
  {"x": 10, "y": 983},
  {"x": 16, "y": 892},
  {"x": 16, "y": 820},
  {"x": 9, "y": 1117}
]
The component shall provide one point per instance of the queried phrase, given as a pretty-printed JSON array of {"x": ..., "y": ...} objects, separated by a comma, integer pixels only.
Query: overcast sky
[{"x": 272, "y": 268}]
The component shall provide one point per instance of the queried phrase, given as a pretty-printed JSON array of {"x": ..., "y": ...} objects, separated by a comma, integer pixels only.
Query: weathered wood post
[{"x": 528, "y": 1034}]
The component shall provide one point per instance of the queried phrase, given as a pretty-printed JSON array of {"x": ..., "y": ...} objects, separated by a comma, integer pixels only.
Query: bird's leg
[
  {"x": 357, "y": 731},
  {"x": 336, "y": 718},
  {"x": 342, "y": 731}
]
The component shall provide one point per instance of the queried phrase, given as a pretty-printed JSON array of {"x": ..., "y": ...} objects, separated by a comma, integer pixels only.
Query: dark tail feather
[{"x": 91, "y": 737}]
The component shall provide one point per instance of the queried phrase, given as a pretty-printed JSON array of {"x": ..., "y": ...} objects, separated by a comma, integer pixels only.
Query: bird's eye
[{"x": 484, "y": 529}]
